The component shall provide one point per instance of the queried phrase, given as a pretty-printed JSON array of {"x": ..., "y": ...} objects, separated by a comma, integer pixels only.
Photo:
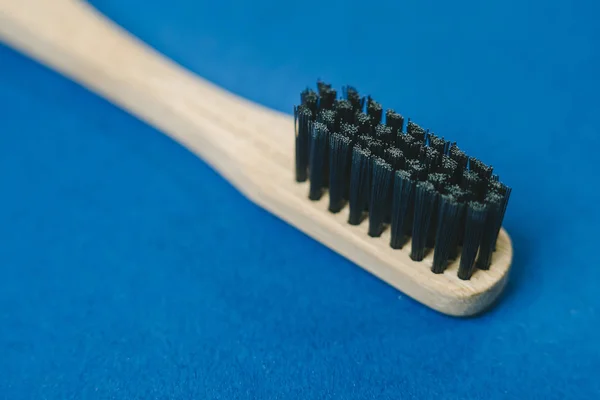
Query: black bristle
[
  {"x": 318, "y": 156},
  {"x": 439, "y": 181},
  {"x": 328, "y": 117},
  {"x": 339, "y": 163},
  {"x": 409, "y": 146},
  {"x": 476, "y": 215},
  {"x": 302, "y": 125},
  {"x": 425, "y": 201},
  {"x": 363, "y": 140},
  {"x": 384, "y": 133},
  {"x": 471, "y": 182},
  {"x": 437, "y": 143},
  {"x": 360, "y": 183},
  {"x": 417, "y": 173},
  {"x": 344, "y": 112},
  {"x": 349, "y": 130},
  {"x": 381, "y": 183},
  {"x": 402, "y": 204},
  {"x": 363, "y": 121},
  {"x": 416, "y": 131},
  {"x": 422, "y": 185},
  {"x": 493, "y": 220},
  {"x": 327, "y": 95},
  {"x": 311, "y": 100},
  {"x": 459, "y": 156},
  {"x": 449, "y": 211},
  {"x": 375, "y": 145},
  {"x": 431, "y": 158},
  {"x": 457, "y": 192},
  {"x": 323, "y": 86},
  {"x": 327, "y": 100},
  {"x": 394, "y": 157},
  {"x": 504, "y": 191},
  {"x": 394, "y": 120},
  {"x": 461, "y": 197},
  {"x": 417, "y": 170},
  {"x": 374, "y": 110},
  {"x": 484, "y": 171},
  {"x": 402, "y": 142},
  {"x": 497, "y": 186},
  {"x": 505, "y": 203},
  {"x": 351, "y": 94},
  {"x": 415, "y": 148},
  {"x": 450, "y": 168}
]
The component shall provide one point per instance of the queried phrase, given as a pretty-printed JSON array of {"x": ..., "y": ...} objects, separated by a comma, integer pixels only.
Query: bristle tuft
[
  {"x": 351, "y": 94},
  {"x": 339, "y": 157},
  {"x": 394, "y": 157},
  {"x": 431, "y": 158},
  {"x": 363, "y": 121},
  {"x": 417, "y": 170},
  {"x": 374, "y": 110},
  {"x": 344, "y": 112},
  {"x": 394, "y": 120},
  {"x": 450, "y": 168},
  {"x": 302, "y": 125},
  {"x": 416, "y": 131},
  {"x": 437, "y": 143},
  {"x": 327, "y": 100},
  {"x": 401, "y": 205},
  {"x": 328, "y": 118},
  {"x": 425, "y": 201},
  {"x": 409, "y": 145},
  {"x": 318, "y": 156},
  {"x": 327, "y": 95},
  {"x": 349, "y": 130},
  {"x": 360, "y": 183},
  {"x": 310, "y": 99},
  {"x": 459, "y": 232},
  {"x": 379, "y": 200},
  {"x": 476, "y": 215},
  {"x": 384, "y": 133},
  {"x": 493, "y": 221},
  {"x": 375, "y": 145},
  {"x": 323, "y": 86},
  {"x": 503, "y": 191},
  {"x": 484, "y": 171},
  {"x": 439, "y": 181},
  {"x": 459, "y": 156},
  {"x": 449, "y": 212},
  {"x": 471, "y": 182}
]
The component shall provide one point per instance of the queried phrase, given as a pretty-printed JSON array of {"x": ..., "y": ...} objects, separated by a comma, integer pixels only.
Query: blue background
[{"x": 129, "y": 269}]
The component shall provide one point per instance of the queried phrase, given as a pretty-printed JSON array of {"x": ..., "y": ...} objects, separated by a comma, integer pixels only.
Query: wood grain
[{"x": 251, "y": 146}]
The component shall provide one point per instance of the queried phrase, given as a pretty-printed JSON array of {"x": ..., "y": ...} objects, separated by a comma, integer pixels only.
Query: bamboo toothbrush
[{"x": 251, "y": 146}]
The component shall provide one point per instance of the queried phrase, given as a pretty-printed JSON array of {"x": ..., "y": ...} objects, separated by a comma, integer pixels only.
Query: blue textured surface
[{"x": 128, "y": 269}]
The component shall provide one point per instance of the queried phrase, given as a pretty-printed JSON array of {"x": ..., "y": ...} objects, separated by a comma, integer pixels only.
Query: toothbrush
[{"x": 249, "y": 145}]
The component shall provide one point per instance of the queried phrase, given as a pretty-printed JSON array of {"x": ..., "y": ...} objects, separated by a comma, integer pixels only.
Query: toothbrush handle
[
  {"x": 71, "y": 37},
  {"x": 252, "y": 147}
]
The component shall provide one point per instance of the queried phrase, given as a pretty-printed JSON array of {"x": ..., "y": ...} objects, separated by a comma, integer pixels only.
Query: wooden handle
[
  {"x": 72, "y": 38},
  {"x": 251, "y": 146}
]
